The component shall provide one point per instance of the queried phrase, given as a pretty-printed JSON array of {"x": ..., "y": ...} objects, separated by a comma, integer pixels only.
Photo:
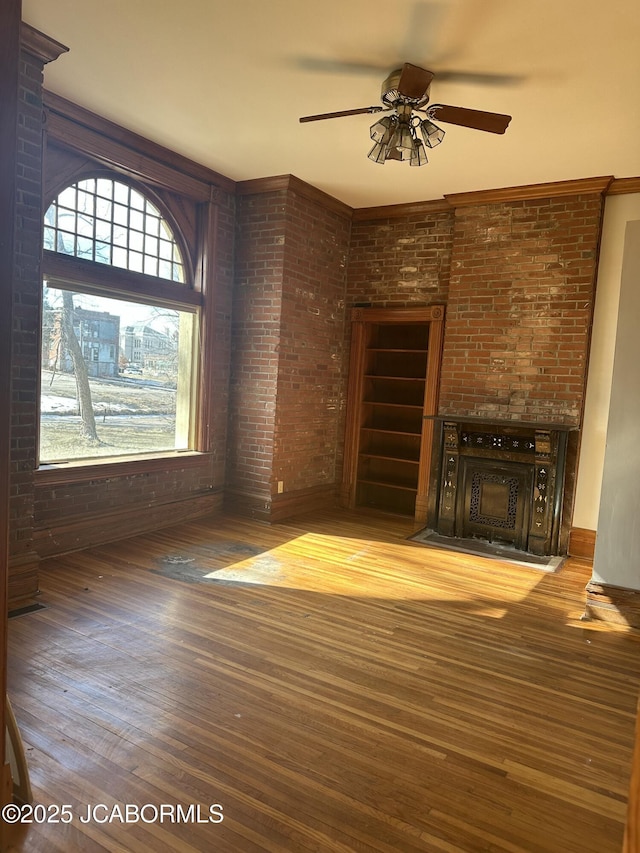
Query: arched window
[
  {"x": 110, "y": 222},
  {"x": 119, "y": 327}
]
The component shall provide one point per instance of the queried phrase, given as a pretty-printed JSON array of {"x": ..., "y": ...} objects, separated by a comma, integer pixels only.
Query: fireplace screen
[{"x": 502, "y": 483}]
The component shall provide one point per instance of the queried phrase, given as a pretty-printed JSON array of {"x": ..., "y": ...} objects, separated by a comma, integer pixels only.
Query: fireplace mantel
[{"x": 502, "y": 481}]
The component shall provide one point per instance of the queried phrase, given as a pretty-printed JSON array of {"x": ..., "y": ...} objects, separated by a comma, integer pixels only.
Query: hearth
[{"x": 502, "y": 482}]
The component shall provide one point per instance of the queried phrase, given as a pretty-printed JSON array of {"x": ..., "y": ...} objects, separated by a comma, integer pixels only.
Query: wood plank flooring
[{"x": 331, "y": 686}]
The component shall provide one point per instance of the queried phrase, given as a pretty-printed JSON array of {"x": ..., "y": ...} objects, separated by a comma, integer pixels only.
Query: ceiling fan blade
[
  {"x": 341, "y": 113},
  {"x": 476, "y": 119},
  {"x": 338, "y": 66},
  {"x": 414, "y": 81},
  {"x": 479, "y": 77}
]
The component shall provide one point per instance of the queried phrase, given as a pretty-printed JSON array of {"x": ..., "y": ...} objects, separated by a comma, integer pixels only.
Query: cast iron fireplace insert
[{"x": 502, "y": 482}]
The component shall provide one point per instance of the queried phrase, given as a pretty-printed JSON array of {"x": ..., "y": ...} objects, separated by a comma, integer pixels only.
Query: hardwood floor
[{"x": 331, "y": 686}]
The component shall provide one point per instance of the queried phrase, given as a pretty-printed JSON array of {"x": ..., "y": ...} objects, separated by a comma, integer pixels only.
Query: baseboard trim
[
  {"x": 248, "y": 504},
  {"x": 275, "y": 508},
  {"x": 614, "y": 604},
  {"x": 23, "y": 579},
  {"x": 87, "y": 530},
  {"x": 288, "y": 504},
  {"x": 582, "y": 543}
]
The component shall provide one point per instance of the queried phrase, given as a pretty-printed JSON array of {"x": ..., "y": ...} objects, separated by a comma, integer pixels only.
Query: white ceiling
[{"x": 224, "y": 83}]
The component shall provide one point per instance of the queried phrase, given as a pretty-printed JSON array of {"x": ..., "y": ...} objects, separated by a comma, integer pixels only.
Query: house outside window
[{"x": 120, "y": 328}]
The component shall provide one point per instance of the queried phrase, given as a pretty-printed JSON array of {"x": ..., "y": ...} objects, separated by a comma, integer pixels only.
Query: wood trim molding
[
  {"x": 419, "y": 314},
  {"x": 64, "y": 270},
  {"x": 289, "y": 183},
  {"x": 288, "y": 504},
  {"x": 256, "y": 186},
  {"x": 582, "y": 543},
  {"x": 84, "y": 531},
  {"x": 621, "y": 186},
  {"x": 606, "y": 184},
  {"x": 275, "y": 508},
  {"x": 555, "y": 189},
  {"x": 614, "y": 604},
  {"x": 118, "y": 148},
  {"x": 109, "y": 469},
  {"x": 42, "y": 46},
  {"x": 249, "y": 504},
  {"x": 23, "y": 577},
  {"x": 398, "y": 211}
]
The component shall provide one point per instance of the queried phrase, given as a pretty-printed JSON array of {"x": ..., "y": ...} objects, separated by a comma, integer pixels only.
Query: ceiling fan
[{"x": 405, "y": 97}]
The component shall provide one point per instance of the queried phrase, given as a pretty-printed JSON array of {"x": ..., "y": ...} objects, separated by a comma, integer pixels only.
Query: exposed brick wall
[
  {"x": 223, "y": 306},
  {"x": 256, "y": 321},
  {"x": 519, "y": 309},
  {"x": 310, "y": 395},
  {"x": 26, "y": 329},
  {"x": 61, "y": 504},
  {"x": 287, "y": 373},
  {"x": 400, "y": 262}
]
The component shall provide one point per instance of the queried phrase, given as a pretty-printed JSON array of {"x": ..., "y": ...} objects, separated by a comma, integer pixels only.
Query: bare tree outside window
[{"x": 72, "y": 345}]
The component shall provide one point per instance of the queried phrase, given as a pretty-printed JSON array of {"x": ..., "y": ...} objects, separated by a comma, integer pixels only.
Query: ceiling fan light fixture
[
  {"x": 431, "y": 133},
  {"x": 403, "y": 138},
  {"x": 378, "y": 153},
  {"x": 418, "y": 155},
  {"x": 383, "y": 130},
  {"x": 397, "y": 154}
]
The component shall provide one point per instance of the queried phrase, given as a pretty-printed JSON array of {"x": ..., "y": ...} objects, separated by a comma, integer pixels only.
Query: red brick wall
[
  {"x": 26, "y": 329},
  {"x": 400, "y": 262},
  {"x": 287, "y": 372},
  {"x": 309, "y": 405},
  {"x": 256, "y": 322},
  {"x": 519, "y": 310}
]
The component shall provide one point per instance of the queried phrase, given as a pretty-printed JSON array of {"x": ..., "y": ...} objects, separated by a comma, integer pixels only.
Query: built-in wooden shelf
[{"x": 395, "y": 361}]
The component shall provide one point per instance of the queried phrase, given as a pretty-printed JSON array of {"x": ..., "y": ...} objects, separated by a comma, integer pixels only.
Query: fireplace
[{"x": 502, "y": 482}]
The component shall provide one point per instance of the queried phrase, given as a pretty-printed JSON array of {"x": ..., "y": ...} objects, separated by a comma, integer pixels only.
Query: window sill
[{"x": 105, "y": 469}]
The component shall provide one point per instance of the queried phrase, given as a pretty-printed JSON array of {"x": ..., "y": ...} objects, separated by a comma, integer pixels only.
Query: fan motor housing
[{"x": 391, "y": 95}]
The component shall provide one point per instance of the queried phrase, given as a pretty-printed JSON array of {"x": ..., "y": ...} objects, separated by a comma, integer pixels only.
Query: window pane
[
  {"x": 121, "y": 193},
  {"x": 113, "y": 214},
  {"x": 49, "y": 239},
  {"x": 104, "y": 187},
  {"x": 136, "y": 241},
  {"x": 136, "y": 220},
  {"x": 120, "y": 214},
  {"x": 120, "y": 258},
  {"x": 131, "y": 362},
  {"x": 85, "y": 225},
  {"x": 137, "y": 201},
  {"x": 67, "y": 198},
  {"x": 85, "y": 248}
]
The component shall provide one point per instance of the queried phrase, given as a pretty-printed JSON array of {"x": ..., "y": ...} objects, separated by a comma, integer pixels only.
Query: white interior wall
[
  {"x": 619, "y": 209},
  {"x": 616, "y": 560}
]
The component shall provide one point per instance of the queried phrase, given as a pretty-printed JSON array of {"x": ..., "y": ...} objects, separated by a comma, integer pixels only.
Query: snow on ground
[{"x": 52, "y": 404}]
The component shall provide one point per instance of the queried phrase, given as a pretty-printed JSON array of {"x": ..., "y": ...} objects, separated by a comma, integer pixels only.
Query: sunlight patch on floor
[{"x": 336, "y": 565}]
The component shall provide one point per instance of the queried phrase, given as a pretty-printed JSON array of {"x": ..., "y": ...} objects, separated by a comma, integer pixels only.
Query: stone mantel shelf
[{"x": 503, "y": 423}]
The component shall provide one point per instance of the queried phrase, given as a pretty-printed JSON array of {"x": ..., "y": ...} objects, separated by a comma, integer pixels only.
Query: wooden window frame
[{"x": 195, "y": 294}]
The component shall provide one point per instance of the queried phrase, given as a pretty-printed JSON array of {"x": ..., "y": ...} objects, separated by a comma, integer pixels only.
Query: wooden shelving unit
[{"x": 395, "y": 360}]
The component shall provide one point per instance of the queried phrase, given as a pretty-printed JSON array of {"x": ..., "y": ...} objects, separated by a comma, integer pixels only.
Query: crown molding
[
  {"x": 289, "y": 183},
  {"x": 554, "y": 189},
  {"x": 256, "y": 186},
  {"x": 397, "y": 211},
  {"x": 75, "y": 127},
  {"x": 621, "y": 186},
  {"x": 41, "y": 46}
]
